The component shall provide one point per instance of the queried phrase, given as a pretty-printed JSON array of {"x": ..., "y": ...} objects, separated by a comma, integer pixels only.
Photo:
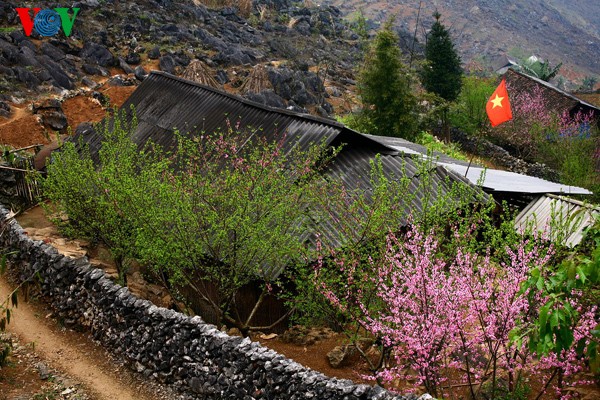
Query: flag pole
[
  {"x": 471, "y": 160},
  {"x": 475, "y": 150}
]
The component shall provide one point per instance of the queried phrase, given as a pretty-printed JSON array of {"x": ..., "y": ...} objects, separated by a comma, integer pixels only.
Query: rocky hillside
[
  {"x": 298, "y": 55},
  {"x": 557, "y": 30},
  {"x": 283, "y": 54}
]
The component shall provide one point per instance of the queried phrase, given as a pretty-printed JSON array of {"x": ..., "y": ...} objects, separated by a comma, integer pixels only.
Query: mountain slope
[{"x": 559, "y": 31}]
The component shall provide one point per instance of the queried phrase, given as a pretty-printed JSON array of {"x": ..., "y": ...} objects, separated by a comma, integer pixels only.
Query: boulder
[
  {"x": 124, "y": 66},
  {"x": 18, "y": 36},
  {"x": 4, "y": 109},
  {"x": 209, "y": 40},
  {"x": 59, "y": 77},
  {"x": 133, "y": 58},
  {"x": 52, "y": 51},
  {"x": 120, "y": 80},
  {"x": 27, "y": 57},
  {"x": 272, "y": 99},
  {"x": 140, "y": 73},
  {"x": 340, "y": 355},
  {"x": 9, "y": 51},
  {"x": 327, "y": 107},
  {"x": 303, "y": 28},
  {"x": 167, "y": 64},
  {"x": 89, "y": 83},
  {"x": 300, "y": 95},
  {"x": 91, "y": 69},
  {"x": 51, "y": 113},
  {"x": 104, "y": 100},
  {"x": 95, "y": 53},
  {"x": 26, "y": 77},
  {"x": 47, "y": 104},
  {"x": 222, "y": 77},
  {"x": 55, "y": 120},
  {"x": 154, "y": 53}
]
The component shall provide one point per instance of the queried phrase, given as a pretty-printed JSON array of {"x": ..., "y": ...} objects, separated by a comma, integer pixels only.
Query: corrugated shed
[
  {"x": 352, "y": 167},
  {"x": 494, "y": 180},
  {"x": 563, "y": 218},
  {"x": 163, "y": 103}
]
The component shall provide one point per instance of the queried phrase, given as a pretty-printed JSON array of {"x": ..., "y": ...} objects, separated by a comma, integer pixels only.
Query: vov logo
[{"x": 47, "y": 22}]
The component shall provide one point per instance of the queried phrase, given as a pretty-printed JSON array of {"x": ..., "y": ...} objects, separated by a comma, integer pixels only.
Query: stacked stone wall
[{"x": 172, "y": 348}]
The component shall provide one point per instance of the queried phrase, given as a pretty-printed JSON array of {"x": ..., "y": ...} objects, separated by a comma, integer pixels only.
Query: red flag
[{"x": 498, "y": 106}]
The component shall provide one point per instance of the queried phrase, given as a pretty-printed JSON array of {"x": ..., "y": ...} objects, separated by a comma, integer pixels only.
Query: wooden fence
[{"x": 26, "y": 183}]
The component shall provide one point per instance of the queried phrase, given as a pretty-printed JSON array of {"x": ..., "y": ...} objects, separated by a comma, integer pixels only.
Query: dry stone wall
[{"x": 193, "y": 356}]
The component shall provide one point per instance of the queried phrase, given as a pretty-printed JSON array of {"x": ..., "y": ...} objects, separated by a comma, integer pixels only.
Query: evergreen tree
[
  {"x": 442, "y": 72},
  {"x": 385, "y": 89}
]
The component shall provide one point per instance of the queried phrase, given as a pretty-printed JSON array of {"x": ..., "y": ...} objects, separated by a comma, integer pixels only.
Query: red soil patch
[
  {"x": 21, "y": 129},
  {"x": 151, "y": 65},
  {"x": 314, "y": 356},
  {"x": 82, "y": 109},
  {"x": 117, "y": 94}
]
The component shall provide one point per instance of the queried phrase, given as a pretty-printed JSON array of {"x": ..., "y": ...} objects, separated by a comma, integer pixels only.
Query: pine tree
[
  {"x": 442, "y": 72},
  {"x": 386, "y": 90}
]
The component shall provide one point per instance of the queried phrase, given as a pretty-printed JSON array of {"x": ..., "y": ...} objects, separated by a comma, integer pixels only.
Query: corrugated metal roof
[
  {"x": 353, "y": 168},
  {"x": 563, "y": 218},
  {"x": 494, "y": 180},
  {"x": 164, "y": 102},
  {"x": 404, "y": 146},
  {"x": 506, "y": 181},
  {"x": 167, "y": 102}
]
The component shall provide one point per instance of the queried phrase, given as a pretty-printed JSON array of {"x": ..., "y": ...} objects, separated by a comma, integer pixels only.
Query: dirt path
[{"x": 73, "y": 353}]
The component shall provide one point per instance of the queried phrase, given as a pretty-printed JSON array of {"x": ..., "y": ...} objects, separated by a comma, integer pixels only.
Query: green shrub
[{"x": 468, "y": 112}]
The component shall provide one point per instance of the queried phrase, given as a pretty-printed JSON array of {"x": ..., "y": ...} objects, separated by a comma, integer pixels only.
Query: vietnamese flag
[{"x": 498, "y": 106}]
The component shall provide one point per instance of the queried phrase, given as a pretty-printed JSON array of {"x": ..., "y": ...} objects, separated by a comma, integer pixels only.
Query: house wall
[{"x": 162, "y": 344}]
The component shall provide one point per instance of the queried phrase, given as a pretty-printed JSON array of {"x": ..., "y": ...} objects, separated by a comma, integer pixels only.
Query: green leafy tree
[
  {"x": 442, "y": 72},
  {"x": 468, "y": 111},
  {"x": 588, "y": 84},
  {"x": 360, "y": 27},
  {"x": 95, "y": 196},
  {"x": 234, "y": 206},
  {"x": 385, "y": 88},
  {"x": 569, "y": 292},
  {"x": 219, "y": 212}
]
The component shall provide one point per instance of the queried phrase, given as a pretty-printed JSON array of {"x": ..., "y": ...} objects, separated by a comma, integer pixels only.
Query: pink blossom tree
[{"x": 435, "y": 312}]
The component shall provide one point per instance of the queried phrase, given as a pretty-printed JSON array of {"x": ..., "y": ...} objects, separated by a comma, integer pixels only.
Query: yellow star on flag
[
  {"x": 496, "y": 111},
  {"x": 497, "y": 101}
]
